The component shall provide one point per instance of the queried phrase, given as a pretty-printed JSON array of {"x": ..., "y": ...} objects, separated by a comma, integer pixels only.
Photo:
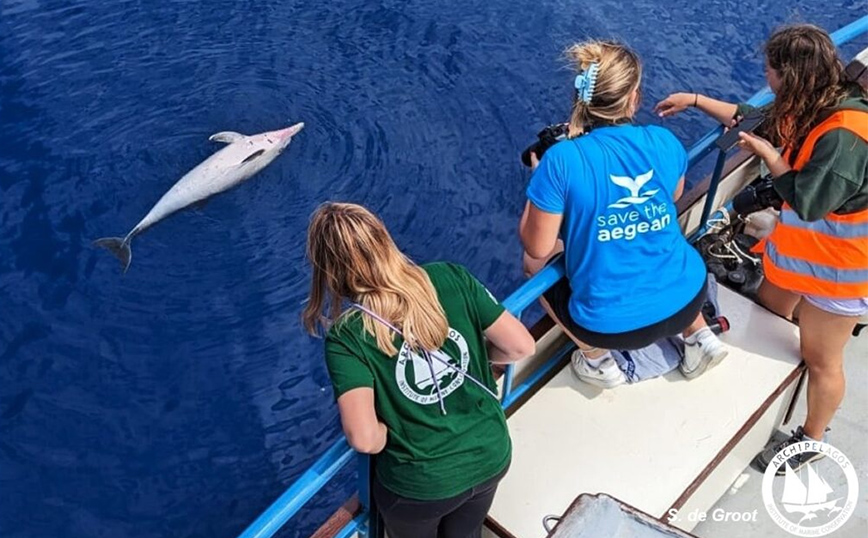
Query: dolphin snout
[{"x": 289, "y": 132}]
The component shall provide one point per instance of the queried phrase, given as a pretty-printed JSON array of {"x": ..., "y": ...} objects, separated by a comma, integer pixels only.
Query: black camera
[
  {"x": 547, "y": 138},
  {"x": 756, "y": 198}
]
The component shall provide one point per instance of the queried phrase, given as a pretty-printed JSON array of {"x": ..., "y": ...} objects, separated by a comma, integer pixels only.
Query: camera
[
  {"x": 756, "y": 198},
  {"x": 546, "y": 138}
]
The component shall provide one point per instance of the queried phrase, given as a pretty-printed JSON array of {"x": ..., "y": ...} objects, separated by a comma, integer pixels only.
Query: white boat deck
[
  {"x": 849, "y": 432},
  {"x": 654, "y": 445}
]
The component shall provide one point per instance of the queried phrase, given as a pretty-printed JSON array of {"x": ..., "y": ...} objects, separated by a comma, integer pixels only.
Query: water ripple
[{"x": 181, "y": 398}]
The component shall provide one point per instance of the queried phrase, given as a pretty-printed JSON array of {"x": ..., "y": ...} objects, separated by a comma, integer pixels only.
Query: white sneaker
[
  {"x": 702, "y": 350},
  {"x": 608, "y": 375}
]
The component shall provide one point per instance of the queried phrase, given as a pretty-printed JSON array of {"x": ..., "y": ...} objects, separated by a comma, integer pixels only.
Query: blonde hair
[
  {"x": 619, "y": 75},
  {"x": 354, "y": 257}
]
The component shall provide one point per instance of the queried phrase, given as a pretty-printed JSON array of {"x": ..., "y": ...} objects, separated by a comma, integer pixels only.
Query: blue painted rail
[{"x": 340, "y": 453}]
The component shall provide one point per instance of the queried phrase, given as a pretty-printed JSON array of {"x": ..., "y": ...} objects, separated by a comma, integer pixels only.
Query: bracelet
[{"x": 695, "y": 99}]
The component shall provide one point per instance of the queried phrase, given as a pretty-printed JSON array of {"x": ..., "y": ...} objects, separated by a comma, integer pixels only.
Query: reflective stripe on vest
[
  {"x": 832, "y": 228},
  {"x": 828, "y": 257}
]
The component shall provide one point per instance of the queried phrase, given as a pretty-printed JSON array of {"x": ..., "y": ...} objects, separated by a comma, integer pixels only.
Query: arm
[
  {"x": 679, "y": 190},
  {"x": 832, "y": 176},
  {"x": 539, "y": 231},
  {"x": 364, "y": 431},
  {"x": 677, "y": 102},
  {"x": 508, "y": 340}
]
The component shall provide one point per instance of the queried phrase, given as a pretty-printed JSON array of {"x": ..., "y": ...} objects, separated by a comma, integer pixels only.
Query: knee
[{"x": 821, "y": 362}]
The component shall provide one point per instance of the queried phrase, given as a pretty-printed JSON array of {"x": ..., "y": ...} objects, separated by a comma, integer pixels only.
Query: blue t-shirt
[{"x": 628, "y": 263}]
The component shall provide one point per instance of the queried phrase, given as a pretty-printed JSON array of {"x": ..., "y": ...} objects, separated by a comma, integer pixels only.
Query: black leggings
[
  {"x": 558, "y": 299},
  {"x": 461, "y": 516}
]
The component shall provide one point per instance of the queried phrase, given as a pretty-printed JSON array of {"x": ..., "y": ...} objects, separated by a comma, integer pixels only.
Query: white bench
[{"x": 660, "y": 444}]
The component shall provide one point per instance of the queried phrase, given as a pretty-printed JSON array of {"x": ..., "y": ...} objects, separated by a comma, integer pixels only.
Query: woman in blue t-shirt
[{"x": 609, "y": 192}]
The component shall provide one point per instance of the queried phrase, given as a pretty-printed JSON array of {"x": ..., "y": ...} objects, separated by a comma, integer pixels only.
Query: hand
[
  {"x": 763, "y": 149},
  {"x": 760, "y": 147},
  {"x": 675, "y": 103}
]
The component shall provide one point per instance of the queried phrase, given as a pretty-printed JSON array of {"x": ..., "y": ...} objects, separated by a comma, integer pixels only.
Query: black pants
[
  {"x": 461, "y": 516},
  {"x": 558, "y": 298}
]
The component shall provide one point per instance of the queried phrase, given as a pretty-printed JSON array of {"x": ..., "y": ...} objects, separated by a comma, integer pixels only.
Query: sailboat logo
[
  {"x": 808, "y": 505},
  {"x": 422, "y": 371},
  {"x": 427, "y": 382},
  {"x": 807, "y": 500}
]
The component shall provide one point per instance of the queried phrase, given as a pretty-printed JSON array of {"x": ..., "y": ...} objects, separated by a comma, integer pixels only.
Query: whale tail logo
[
  {"x": 634, "y": 185},
  {"x": 120, "y": 247}
]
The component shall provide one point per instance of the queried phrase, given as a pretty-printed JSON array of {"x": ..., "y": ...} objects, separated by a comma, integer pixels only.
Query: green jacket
[{"x": 835, "y": 179}]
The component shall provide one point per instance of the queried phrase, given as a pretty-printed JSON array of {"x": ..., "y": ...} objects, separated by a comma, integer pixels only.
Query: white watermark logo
[{"x": 805, "y": 504}]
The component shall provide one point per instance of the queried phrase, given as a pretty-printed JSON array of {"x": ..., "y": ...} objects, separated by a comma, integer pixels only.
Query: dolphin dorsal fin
[{"x": 227, "y": 137}]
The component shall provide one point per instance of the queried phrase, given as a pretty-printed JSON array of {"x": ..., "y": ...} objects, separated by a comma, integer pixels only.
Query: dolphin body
[{"x": 242, "y": 158}]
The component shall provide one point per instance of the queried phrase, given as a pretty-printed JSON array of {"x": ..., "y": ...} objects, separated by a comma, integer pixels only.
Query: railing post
[
  {"x": 711, "y": 194},
  {"x": 374, "y": 526},
  {"x": 509, "y": 373},
  {"x": 508, "y": 376}
]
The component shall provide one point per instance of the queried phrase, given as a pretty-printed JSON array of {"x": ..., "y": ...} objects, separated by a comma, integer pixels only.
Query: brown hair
[
  {"x": 354, "y": 257},
  {"x": 812, "y": 81},
  {"x": 619, "y": 75}
]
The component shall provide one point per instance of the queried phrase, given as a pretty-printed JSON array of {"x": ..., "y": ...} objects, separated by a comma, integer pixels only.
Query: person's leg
[
  {"x": 823, "y": 336},
  {"x": 410, "y": 518},
  {"x": 702, "y": 348},
  {"x": 466, "y": 521},
  {"x": 780, "y": 301},
  {"x": 590, "y": 352},
  {"x": 590, "y": 364},
  {"x": 697, "y": 324}
]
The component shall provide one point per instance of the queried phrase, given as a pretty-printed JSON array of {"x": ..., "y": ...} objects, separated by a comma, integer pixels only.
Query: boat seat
[{"x": 659, "y": 444}]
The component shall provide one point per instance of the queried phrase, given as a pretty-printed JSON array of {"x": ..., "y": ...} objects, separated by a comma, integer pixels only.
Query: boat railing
[{"x": 340, "y": 454}]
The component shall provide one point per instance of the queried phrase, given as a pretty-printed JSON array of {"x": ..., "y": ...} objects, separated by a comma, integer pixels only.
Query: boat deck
[
  {"x": 681, "y": 443},
  {"x": 848, "y": 434}
]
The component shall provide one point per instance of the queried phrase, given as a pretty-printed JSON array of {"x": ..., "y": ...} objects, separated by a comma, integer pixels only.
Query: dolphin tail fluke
[{"x": 120, "y": 247}]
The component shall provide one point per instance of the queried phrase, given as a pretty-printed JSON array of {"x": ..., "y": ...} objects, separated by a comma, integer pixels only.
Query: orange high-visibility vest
[{"x": 828, "y": 257}]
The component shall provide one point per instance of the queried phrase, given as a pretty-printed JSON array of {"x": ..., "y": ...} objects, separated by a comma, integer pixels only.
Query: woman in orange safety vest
[{"x": 816, "y": 258}]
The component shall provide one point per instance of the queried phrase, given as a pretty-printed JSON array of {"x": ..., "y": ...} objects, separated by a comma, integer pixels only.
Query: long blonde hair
[
  {"x": 619, "y": 74},
  {"x": 354, "y": 257}
]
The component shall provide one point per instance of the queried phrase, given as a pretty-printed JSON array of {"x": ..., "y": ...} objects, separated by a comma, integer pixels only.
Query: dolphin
[{"x": 242, "y": 158}]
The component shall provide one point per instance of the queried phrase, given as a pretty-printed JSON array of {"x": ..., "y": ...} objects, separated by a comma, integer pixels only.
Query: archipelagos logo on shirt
[
  {"x": 416, "y": 378},
  {"x": 631, "y": 215}
]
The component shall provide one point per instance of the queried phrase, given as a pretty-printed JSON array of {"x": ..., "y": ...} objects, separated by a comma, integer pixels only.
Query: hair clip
[{"x": 585, "y": 83}]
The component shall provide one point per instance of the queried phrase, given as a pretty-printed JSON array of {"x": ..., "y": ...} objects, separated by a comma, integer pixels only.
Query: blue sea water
[{"x": 180, "y": 399}]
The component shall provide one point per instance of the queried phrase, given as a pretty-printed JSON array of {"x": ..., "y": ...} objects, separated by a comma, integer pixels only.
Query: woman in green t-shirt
[{"x": 410, "y": 364}]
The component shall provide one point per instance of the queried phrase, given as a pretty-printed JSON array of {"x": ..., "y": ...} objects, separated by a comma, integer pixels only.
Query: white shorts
[{"x": 840, "y": 307}]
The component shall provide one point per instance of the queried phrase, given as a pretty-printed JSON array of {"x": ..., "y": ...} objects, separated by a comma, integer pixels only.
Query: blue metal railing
[
  {"x": 763, "y": 97},
  {"x": 340, "y": 453}
]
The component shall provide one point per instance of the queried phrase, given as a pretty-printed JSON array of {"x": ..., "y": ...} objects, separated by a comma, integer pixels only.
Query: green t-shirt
[{"x": 429, "y": 455}]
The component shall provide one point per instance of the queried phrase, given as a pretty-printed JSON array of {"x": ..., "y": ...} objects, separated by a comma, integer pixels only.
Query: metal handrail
[
  {"x": 340, "y": 453},
  {"x": 301, "y": 491},
  {"x": 765, "y": 96}
]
